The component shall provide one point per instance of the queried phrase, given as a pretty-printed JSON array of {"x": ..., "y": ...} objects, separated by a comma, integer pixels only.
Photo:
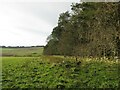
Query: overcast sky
[{"x": 28, "y": 23}]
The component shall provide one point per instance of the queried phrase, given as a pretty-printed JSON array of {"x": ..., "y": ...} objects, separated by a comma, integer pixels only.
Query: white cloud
[
  {"x": 40, "y": 0},
  {"x": 28, "y": 23}
]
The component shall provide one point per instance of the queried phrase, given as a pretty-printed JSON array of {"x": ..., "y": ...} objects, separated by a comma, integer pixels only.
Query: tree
[{"x": 91, "y": 29}]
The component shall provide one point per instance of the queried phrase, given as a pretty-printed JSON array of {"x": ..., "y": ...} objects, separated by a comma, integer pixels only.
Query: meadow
[
  {"x": 57, "y": 71},
  {"x": 22, "y": 52}
]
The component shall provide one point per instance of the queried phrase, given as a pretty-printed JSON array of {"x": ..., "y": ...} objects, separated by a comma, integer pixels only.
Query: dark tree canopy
[{"x": 90, "y": 29}]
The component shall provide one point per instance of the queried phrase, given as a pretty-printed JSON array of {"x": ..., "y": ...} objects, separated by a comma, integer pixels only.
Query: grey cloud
[
  {"x": 25, "y": 18},
  {"x": 33, "y": 31},
  {"x": 48, "y": 11}
]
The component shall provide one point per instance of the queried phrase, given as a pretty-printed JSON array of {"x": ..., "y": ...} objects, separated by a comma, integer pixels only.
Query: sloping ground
[{"x": 59, "y": 72}]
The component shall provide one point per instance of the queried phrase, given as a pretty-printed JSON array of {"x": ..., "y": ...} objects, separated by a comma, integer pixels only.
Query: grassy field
[
  {"x": 59, "y": 72},
  {"x": 22, "y": 52}
]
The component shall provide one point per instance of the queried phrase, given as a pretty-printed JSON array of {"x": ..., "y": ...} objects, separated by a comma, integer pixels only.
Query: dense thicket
[{"x": 90, "y": 29}]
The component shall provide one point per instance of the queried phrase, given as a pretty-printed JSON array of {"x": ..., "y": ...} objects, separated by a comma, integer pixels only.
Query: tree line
[
  {"x": 89, "y": 29},
  {"x": 19, "y": 46}
]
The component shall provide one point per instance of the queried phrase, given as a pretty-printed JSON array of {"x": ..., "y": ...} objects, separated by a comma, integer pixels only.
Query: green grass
[
  {"x": 58, "y": 72},
  {"x": 22, "y": 52}
]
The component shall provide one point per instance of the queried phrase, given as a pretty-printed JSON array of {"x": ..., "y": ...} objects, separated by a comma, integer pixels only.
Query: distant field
[
  {"x": 22, "y": 52},
  {"x": 59, "y": 72}
]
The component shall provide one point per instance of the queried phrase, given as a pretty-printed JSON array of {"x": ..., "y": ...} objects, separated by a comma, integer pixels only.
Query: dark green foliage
[
  {"x": 91, "y": 29},
  {"x": 52, "y": 72}
]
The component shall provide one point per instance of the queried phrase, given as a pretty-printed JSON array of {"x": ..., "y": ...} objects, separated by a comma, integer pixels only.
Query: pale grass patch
[
  {"x": 110, "y": 61},
  {"x": 88, "y": 60},
  {"x": 104, "y": 60}
]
